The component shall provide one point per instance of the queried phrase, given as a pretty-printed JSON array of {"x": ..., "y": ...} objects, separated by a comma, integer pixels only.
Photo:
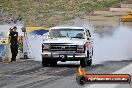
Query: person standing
[
  {"x": 14, "y": 43},
  {"x": 8, "y": 34}
]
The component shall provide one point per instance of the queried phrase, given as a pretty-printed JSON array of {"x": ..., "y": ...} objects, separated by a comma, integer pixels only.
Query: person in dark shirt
[{"x": 14, "y": 43}]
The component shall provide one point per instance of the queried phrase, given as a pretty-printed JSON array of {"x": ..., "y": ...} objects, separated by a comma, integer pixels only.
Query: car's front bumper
[{"x": 64, "y": 55}]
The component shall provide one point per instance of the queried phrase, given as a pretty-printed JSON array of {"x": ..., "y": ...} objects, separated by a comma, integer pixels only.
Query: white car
[{"x": 67, "y": 43}]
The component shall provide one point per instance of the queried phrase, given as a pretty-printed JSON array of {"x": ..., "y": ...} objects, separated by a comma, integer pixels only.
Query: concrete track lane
[{"x": 31, "y": 74}]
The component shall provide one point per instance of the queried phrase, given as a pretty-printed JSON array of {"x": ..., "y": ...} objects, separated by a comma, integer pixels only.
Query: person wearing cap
[
  {"x": 14, "y": 43},
  {"x": 10, "y": 30}
]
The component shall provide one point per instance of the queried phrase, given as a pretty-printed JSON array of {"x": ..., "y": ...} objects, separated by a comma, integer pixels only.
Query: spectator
[{"x": 14, "y": 43}]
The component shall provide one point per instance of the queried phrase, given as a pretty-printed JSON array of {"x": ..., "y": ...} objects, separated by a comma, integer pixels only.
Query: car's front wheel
[
  {"x": 83, "y": 62},
  {"x": 53, "y": 63},
  {"x": 89, "y": 62},
  {"x": 45, "y": 61}
]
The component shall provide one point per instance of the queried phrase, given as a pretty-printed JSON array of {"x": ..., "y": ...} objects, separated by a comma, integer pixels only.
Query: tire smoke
[
  {"x": 112, "y": 44},
  {"x": 116, "y": 47}
]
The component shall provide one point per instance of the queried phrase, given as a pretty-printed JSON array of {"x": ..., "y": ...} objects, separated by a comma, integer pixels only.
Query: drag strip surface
[{"x": 31, "y": 74}]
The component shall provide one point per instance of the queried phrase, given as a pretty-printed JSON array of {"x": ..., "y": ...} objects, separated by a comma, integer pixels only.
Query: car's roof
[{"x": 67, "y": 27}]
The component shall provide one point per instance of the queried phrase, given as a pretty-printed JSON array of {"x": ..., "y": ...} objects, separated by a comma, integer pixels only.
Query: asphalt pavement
[{"x": 31, "y": 74}]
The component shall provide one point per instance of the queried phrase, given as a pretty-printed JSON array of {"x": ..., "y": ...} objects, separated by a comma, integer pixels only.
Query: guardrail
[
  {"x": 126, "y": 5},
  {"x": 121, "y": 9}
]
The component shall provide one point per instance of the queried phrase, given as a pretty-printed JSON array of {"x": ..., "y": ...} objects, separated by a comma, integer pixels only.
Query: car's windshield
[{"x": 72, "y": 33}]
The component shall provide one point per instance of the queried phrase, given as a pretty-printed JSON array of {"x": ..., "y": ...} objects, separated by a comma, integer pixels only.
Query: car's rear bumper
[{"x": 64, "y": 55}]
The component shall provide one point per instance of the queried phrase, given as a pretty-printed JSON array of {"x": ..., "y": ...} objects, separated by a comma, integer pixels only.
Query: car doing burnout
[{"x": 67, "y": 44}]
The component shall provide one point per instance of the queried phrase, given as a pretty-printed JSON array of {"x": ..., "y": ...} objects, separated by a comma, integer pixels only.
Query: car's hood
[{"x": 74, "y": 41}]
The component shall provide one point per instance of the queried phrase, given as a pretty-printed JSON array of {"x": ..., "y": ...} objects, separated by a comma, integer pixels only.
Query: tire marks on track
[{"x": 30, "y": 74}]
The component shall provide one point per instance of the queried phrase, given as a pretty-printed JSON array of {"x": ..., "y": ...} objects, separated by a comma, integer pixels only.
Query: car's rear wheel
[
  {"x": 45, "y": 61},
  {"x": 53, "y": 63},
  {"x": 83, "y": 62}
]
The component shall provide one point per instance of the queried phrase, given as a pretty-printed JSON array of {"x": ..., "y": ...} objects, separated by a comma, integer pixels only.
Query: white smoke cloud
[
  {"x": 5, "y": 29},
  {"x": 35, "y": 46},
  {"x": 115, "y": 47}
]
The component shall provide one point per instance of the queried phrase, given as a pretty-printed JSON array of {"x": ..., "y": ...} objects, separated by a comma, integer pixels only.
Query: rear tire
[
  {"x": 83, "y": 62},
  {"x": 45, "y": 62}
]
